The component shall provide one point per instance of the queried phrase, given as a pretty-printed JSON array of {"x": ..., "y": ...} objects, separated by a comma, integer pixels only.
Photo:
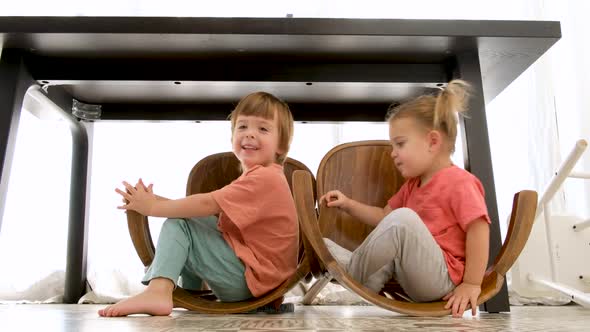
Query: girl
[
  {"x": 252, "y": 247},
  {"x": 433, "y": 234}
]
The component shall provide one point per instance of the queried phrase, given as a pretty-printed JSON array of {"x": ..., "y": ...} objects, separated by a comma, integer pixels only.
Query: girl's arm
[
  {"x": 477, "y": 245},
  {"x": 370, "y": 215},
  {"x": 476, "y": 260}
]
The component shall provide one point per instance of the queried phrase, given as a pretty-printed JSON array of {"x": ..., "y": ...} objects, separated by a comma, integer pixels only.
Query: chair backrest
[
  {"x": 363, "y": 171},
  {"x": 218, "y": 170},
  {"x": 522, "y": 218}
]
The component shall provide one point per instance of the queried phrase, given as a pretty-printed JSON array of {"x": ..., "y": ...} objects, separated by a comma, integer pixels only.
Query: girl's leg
[
  {"x": 402, "y": 246},
  {"x": 171, "y": 255}
]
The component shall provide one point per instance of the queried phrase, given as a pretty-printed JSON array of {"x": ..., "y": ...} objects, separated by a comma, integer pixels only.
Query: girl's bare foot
[{"x": 155, "y": 300}]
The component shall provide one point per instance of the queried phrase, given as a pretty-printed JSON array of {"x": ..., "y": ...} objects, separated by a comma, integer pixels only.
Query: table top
[{"x": 217, "y": 60}]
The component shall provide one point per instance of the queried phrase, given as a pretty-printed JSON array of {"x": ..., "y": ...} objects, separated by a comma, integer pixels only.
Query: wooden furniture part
[
  {"x": 364, "y": 171},
  {"x": 211, "y": 173}
]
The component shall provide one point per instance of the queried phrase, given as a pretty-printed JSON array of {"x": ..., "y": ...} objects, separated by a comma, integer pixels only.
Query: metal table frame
[{"x": 93, "y": 59}]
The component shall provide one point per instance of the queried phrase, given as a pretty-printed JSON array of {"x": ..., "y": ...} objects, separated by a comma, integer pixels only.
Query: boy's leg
[
  {"x": 215, "y": 262},
  {"x": 172, "y": 250},
  {"x": 155, "y": 300},
  {"x": 402, "y": 246},
  {"x": 190, "y": 280},
  {"x": 161, "y": 277}
]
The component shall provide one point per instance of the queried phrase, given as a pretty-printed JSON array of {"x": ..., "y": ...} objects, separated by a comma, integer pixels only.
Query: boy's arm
[
  {"x": 476, "y": 260},
  {"x": 160, "y": 198},
  {"x": 197, "y": 205},
  {"x": 141, "y": 198},
  {"x": 149, "y": 188}
]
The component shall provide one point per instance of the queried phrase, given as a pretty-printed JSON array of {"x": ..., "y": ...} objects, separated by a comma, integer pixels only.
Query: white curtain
[{"x": 532, "y": 125}]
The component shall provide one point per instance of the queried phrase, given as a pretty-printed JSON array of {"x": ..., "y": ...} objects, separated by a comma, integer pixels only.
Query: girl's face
[
  {"x": 412, "y": 151},
  {"x": 255, "y": 141}
]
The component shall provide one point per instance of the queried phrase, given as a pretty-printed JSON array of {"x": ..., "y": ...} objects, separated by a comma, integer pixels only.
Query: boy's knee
[
  {"x": 172, "y": 224},
  {"x": 175, "y": 230}
]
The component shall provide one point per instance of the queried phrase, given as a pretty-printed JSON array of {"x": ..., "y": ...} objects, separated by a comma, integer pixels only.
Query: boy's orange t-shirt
[
  {"x": 451, "y": 200},
  {"x": 259, "y": 222}
]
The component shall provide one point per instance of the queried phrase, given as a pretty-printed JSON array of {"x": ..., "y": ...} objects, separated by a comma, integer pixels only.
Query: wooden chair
[
  {"x": 211, "y": 173},
  {"x": 364, "y": 171}
]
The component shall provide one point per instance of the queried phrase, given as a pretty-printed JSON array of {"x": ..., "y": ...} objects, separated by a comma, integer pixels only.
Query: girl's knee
[
  {"x": 403, "y": 213},
  {"x": 402, "y": 217},
  {"x": 401, "y": 224}
]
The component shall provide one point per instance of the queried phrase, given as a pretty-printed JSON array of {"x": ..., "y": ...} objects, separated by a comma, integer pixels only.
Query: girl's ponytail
[{"x": 451, "y": 101}]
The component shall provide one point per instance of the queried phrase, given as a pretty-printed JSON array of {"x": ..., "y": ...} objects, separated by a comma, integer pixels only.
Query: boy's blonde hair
[
  {"x": 436, "y": 112},
  {"x": 267, "y": 106}
]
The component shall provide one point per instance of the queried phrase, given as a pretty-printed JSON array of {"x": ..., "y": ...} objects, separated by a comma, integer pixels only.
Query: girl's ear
[{"x": 435, "y": 140}]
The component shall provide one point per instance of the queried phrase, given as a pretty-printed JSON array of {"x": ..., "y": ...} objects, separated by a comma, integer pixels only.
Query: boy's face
[
  {"x": 255, "y": 140},
  {"x": 411, "y": 148}
]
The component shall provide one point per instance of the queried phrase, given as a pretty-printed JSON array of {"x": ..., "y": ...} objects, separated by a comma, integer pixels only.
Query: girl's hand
[
  {"x": 139, "y": 198},
  {"x": 335, "y": 198},
  {"x": 461, "y": 296}
]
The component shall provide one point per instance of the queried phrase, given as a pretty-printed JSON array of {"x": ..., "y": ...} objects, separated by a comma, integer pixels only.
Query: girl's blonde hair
[
  {"x": 267, "y": 106},
  {"x": 436, "y": 112}
]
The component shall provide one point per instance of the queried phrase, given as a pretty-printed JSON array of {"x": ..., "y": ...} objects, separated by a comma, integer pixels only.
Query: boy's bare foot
[{"x": 155, "y": 300}]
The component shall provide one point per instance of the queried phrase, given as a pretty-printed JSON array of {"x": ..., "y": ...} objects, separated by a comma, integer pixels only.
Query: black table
[{"x": 166, "y": 68}]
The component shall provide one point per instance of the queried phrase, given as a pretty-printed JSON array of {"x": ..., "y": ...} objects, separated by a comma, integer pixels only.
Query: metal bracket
[{"x": 88, "y": 112}]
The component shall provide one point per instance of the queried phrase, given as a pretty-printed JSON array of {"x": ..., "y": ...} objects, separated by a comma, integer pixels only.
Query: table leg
[
  {"x": 60, "y": 104},
  {"x": 14, "y": 82},
  {"x": 478, "y": 160}
]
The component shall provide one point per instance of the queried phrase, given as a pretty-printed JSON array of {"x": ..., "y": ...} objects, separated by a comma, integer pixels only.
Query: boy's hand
[
  {"x": 139, "y": 198},
  {"x": 335, "y": 198},
  {"x": 462, "y": 295},
  {"x": 139, "y": 183}
]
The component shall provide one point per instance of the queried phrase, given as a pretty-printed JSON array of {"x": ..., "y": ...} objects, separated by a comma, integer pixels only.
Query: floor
[{"x": 60, "y": 317}]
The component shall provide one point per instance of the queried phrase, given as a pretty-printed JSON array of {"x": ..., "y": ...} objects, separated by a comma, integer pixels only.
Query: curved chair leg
[
  {"x": 140, "y": 234},
  {"x": 204, "y": 301},
  {"x": 187, "y": 300},
  {"x": 522, "y": 218}
]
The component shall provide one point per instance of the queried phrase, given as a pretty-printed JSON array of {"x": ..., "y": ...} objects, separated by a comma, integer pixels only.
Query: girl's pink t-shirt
[
  {"x": 259, "y": 222},
  {"x": 447, "y": 204}
]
